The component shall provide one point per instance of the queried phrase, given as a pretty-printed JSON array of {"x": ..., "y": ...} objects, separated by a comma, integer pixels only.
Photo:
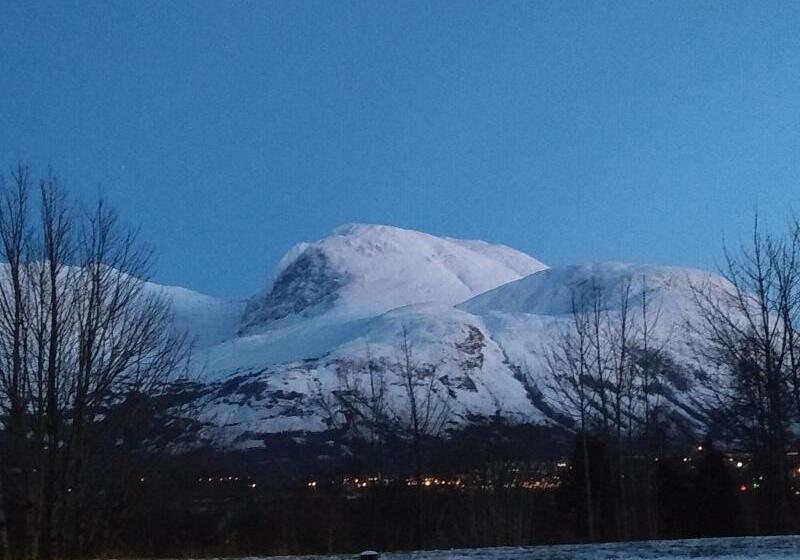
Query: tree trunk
[
  {"x": 587, "y": 481},
  {"x": 5, "y": 548}
]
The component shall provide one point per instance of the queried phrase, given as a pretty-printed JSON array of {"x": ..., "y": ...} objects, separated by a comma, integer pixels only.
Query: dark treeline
[
  {"x": 210, "y": 504},
  {"x": 93, "y": 413}
]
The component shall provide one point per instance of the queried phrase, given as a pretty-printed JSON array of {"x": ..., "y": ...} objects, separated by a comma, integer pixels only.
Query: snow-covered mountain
[
  {"x": 479, "y": 317},
  {"x": 324, "y": 293}
]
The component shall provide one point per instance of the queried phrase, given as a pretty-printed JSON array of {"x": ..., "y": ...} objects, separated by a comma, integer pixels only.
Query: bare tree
[
  {"x": 81, "y": 331},
  {"x": 595, "y": 367},
  {"x": 426, "y": 407},
  {"x": 645, "y": 383},
  {"x": 596, "y": 306},
  {"x": 123, "y": 336},
  {"x": 747, "y": 329},
  {"x": 422, "y": 415},
  {"x": 358, "y": 402},
  {"x": 620, "y": 337},
  {"x": 16, "y": 392},
  {"x": 52, "y": 318},
  {"x": 569, "y": 368}
]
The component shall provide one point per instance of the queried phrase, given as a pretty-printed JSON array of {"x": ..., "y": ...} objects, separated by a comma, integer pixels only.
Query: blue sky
[{"x": 575, "y": 131}]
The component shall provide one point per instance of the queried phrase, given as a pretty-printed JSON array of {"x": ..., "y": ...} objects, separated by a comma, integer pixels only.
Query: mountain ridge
[{"x": 359, "y": 292}]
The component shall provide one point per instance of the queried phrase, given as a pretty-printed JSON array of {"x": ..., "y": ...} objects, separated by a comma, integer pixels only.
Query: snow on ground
[{"x": 739, "y": 548}]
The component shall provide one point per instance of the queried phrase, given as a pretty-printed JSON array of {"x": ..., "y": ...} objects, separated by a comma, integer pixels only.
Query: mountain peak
[
  {"x": 356, "y": 228},
  {"x": 361, "y": 270}
]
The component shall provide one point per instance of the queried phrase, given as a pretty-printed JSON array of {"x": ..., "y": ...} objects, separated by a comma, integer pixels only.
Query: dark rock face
[
  {"x": 472, "y": 349},
  {"x": 310, "y": 281},
  {"x": 472, "y": 357}
]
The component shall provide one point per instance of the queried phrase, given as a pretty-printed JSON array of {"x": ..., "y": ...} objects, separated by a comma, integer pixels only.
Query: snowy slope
[
  {"x": 473, "y": 379},
  {"x": 550, "y": 292},
  {"x": 207, "y": 320},
  {"x": 527, "y": 316},
  {"x": 523, "y": 315}
]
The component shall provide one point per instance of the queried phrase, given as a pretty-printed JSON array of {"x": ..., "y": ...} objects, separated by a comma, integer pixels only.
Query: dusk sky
[{"x": 574, "y": 131}]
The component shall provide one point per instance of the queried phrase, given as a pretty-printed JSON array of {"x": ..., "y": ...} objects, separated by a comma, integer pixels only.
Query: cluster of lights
[
  {"x": 363, "y": 482},
  {"x": 224, "y": 479},
  {"x": 458, "y": 482},
  {"x": 429, "y": 481},
  {"x": 543, "y": 484},
  {"x": 529, "y": 484},
  {"x": 217, "y": 479}
]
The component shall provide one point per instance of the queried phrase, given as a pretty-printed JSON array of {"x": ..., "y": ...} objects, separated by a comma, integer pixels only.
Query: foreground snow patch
[{"x": 742, "y": 548}]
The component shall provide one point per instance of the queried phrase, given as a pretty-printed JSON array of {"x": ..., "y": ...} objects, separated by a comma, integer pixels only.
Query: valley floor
[{"x": 739, "y": 548}]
